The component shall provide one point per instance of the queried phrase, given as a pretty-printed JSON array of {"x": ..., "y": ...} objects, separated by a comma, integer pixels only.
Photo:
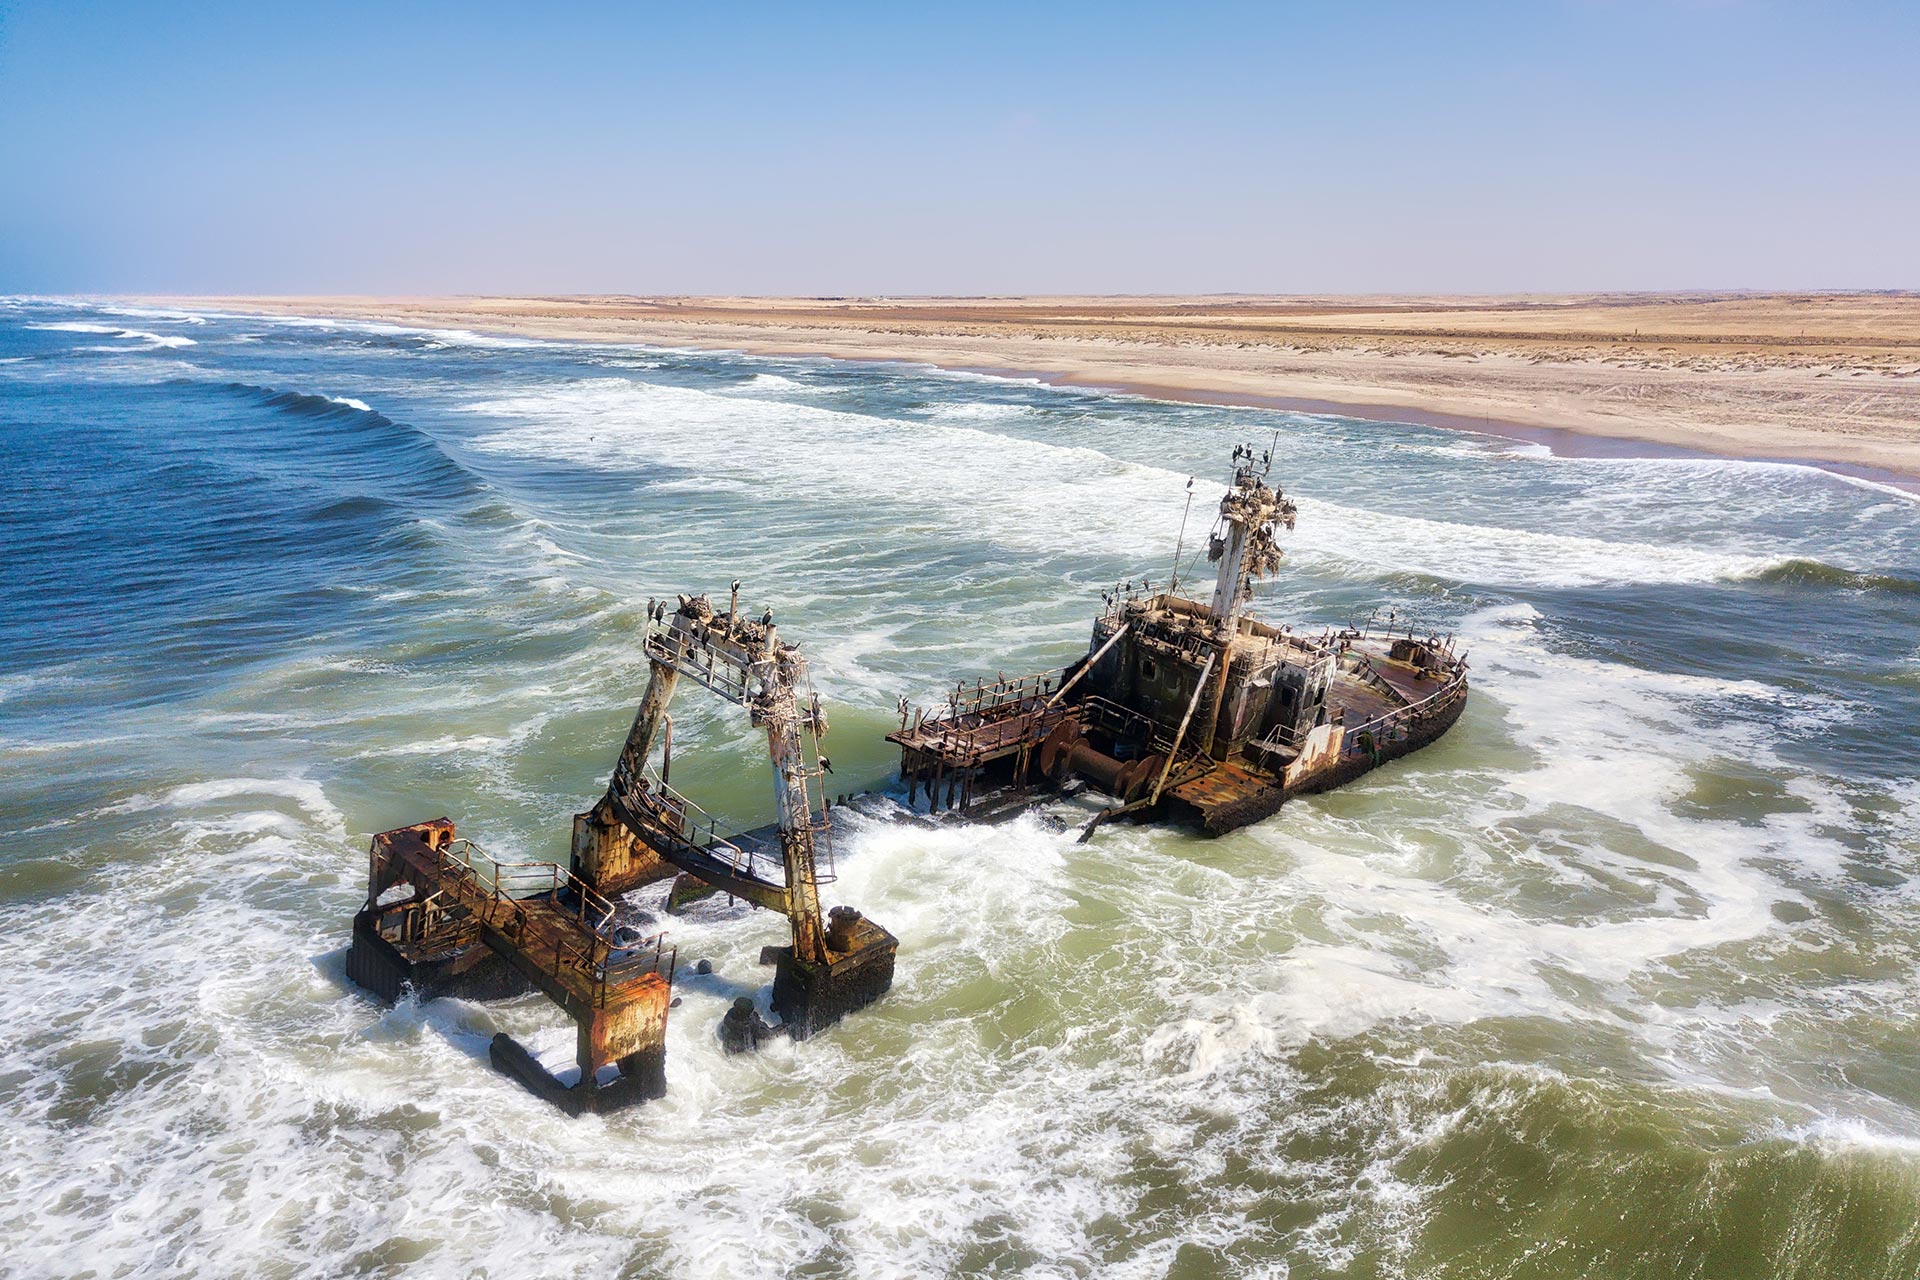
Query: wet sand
[{"x": 1829, "y": 379}]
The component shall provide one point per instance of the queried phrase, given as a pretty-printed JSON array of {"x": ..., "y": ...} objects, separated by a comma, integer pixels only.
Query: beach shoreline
[
  {"x": 1831, "y": 381},
  {"x": 1561, "y": 442}
]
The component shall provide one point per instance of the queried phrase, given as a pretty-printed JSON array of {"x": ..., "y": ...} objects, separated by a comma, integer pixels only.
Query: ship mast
[{"x": 1245, "y": 541}]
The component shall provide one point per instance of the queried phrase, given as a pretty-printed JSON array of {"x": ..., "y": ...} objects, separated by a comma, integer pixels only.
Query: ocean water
[{"x": 1617, "y": 980}]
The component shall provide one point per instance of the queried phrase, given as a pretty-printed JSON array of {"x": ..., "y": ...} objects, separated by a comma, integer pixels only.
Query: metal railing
[
  {"x": 1390, "y": 724},
  {"x": 725, "y": 674},
  {"x": 989, "y": 696},
  {"x": 694, "y": 830},
  {"x": 1183, "y": 642},
  {"x": 986, "y": 721},
  {"x": 1124, "y": 723},
  {"x": 1281, "y": 738},
  {"x": 502, "y": 893},
  {"x": 1394, "y": 623},
  {"x": 1400, "y": 626}
]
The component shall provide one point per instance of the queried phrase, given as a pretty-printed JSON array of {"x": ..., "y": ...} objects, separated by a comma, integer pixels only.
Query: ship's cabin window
[{"x": 1148, "y": 671}]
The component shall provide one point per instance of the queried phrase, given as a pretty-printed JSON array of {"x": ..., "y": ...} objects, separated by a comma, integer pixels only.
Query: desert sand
[{"x": 1831, "y": 379}]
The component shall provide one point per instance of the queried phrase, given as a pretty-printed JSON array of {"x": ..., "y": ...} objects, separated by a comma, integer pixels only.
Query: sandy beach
[{"x": 1831, "y": 379}]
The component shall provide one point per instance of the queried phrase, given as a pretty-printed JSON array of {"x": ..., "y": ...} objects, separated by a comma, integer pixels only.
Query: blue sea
[{"x": 1620, "y": 979}]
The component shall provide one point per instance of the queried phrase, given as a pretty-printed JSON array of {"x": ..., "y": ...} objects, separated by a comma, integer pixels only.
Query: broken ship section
[
  {"x": 1195, "y": 710},
  {"x": 443, "y": 918},
  {"x": 468, "y": 925}
]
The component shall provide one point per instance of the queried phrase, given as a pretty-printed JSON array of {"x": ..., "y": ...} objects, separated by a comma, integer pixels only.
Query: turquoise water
[{"x": 1616, "y": 980}]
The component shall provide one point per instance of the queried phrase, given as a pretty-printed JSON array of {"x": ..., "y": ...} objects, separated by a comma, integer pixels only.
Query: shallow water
[{"x": 1616, "y": 980}]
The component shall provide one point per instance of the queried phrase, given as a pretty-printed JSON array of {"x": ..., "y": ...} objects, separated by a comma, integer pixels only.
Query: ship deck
[
  {"x": 1375, "y": 699},
  {"x": 1379, "y": 686},
  {"x": 553, "y": 931},
  {"x": 969, "y": 745}
]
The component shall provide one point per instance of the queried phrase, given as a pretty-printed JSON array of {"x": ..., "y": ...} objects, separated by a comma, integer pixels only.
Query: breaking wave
[
  {"x": 1798, "y": 572},
  {"x": 417, "y": 453},
  {"x": 1122, "y": 506},
  {"x": 153, "y": 340},
  {"x": 773, "y": 382}
]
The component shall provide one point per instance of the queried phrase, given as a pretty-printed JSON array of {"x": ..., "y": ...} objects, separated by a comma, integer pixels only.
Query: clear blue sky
[{"x": 894, "y": 148}]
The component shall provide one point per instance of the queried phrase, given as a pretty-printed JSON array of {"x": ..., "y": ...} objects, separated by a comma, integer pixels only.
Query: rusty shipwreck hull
[
  {"x": 1348, "y": 768},
  {"x": 1194, "y": 709},
  {"x": 442, "y": 917},
  {"x": 948, "y": 767}
]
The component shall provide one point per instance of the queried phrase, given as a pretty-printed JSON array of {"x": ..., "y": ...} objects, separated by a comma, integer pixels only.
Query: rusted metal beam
[
  {"x": 632, "y": 765},
  {"x": 1219, "y": 694},
  {"x": 1199, "y": 687},
  {"x": 1090, "y": 664}
]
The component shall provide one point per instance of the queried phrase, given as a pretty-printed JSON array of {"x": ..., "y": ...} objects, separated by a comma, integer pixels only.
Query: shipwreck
[
  {"x": 443, "y": 918},
  {"x": 1190, "y": 710},
  {"x": 1180, "y": 709}
]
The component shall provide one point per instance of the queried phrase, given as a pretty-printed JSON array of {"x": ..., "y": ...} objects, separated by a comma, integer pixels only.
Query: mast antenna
[{"x": 1173, "y": 584}]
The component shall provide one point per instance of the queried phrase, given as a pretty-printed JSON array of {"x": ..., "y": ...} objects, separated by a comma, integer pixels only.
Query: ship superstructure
[{"x": 1185, "y": 708}]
